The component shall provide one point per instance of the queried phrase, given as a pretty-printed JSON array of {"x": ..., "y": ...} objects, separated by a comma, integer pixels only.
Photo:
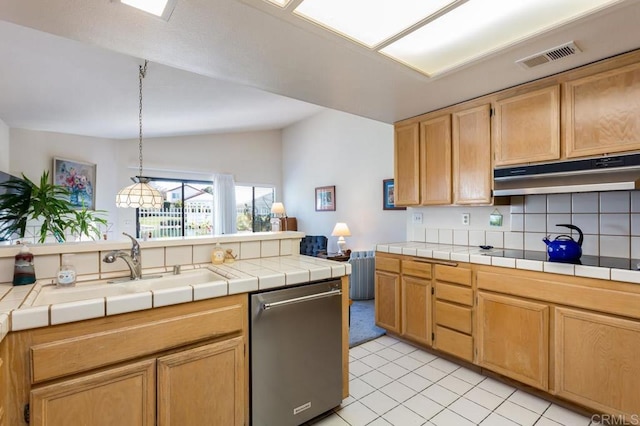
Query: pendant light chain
[
  {"x": 140, "y": 194},
  {"x": 143, "y": 72}
]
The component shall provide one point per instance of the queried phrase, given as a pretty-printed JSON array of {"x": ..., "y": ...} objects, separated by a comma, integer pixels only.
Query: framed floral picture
[
  {"x": 388, "y": 196},
  {"x": 325, "y": 198},
  {"x": 79, "y": 178}
]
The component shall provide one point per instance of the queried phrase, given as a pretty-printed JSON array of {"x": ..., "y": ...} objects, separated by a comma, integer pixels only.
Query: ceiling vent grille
[{"x": 559, "y": 52}]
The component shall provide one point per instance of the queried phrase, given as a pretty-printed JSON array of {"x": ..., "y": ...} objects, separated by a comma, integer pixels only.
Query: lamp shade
[
  {"x": 341, "y": 230},
  {"x": 277, "y": 208},
  {"x": 139, "y": 195}
]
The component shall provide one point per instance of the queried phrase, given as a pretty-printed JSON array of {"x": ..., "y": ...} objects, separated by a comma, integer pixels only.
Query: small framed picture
[
  {"x": 388, "y": 196},
  {"x": 79, "y": 178},
  {"x": 325, "y": 198}
]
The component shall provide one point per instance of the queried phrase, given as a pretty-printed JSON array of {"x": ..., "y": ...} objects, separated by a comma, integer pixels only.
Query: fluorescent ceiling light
[
  {"x": 369, "y": 22},
  {"x": 281, "y": 3},
  {"x": 160, "y": 8},
  {"x": 479, "y": 27}
]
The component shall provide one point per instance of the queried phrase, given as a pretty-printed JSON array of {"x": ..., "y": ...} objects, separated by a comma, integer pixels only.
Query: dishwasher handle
[{"x": 267, "y": 306}]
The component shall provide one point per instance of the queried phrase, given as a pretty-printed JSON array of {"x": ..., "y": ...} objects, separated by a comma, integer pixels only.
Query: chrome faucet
[{"x": 133, "y": 259}]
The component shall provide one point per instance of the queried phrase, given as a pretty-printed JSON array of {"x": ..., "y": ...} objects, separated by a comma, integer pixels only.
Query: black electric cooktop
[{"x": 601, "y": 261}]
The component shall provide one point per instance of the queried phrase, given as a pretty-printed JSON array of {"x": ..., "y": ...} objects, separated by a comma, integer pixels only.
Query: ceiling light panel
[
  {"x": 479, "y": 27},
  {"x": 160, "y": 8},
  {"x": 281, "y": 3},
  {"x": 368, "y": 22}
]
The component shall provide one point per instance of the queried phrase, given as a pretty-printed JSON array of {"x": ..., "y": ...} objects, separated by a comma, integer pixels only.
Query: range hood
[{"x": 614, "y": 173}]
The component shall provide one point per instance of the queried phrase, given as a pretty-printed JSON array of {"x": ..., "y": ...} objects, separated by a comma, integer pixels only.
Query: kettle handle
[{"x": 575, "y": 228}]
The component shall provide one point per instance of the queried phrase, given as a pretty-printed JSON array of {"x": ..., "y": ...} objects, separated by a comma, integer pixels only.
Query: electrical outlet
[
  {"x": 466, "y": 219},
  {"x": 417, "y": 218}
]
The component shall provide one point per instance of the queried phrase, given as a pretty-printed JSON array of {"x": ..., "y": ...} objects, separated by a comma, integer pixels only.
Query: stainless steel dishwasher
[{"x": 296, "y": 353}]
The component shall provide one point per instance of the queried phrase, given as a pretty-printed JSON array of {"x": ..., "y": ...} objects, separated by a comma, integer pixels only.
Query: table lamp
[
  {"x": 341, "y": 230},
  {"x": 277, "y": 209}
]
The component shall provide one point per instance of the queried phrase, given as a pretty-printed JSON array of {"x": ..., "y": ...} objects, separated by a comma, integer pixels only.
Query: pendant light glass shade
[{"x": 139, "y": 195}]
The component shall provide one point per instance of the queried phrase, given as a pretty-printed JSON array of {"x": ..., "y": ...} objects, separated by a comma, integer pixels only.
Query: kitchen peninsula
[
  {"x": 141, "y": 356},
  {"x": 569, "y": 331}
]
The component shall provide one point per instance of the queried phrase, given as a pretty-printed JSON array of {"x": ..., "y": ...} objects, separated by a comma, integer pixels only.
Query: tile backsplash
[{"x": 610, "y": 222}]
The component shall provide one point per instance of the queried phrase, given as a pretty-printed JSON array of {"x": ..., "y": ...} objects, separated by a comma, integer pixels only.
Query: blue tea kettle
[{"x": 564, "y": 248}]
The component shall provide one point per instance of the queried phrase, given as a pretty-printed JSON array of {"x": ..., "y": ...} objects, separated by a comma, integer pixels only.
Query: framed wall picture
[
  {"x": 79, "y": 178},
  {"x": 388, "y": 196},
  {"x": 325, "y": 198}
]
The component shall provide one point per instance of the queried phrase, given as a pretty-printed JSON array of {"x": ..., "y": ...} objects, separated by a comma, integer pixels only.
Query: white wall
[
  {"x": 32, "y": 153},
  {"x": 4, "y": 147},
  {"x": 251, "y": 157},
  {"x": 353, "y": 153}
]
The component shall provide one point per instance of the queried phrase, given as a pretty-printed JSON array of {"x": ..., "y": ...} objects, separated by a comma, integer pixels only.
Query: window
[
  {"x": 254, "y": 208},
  {"x": 187, "y": 210}
]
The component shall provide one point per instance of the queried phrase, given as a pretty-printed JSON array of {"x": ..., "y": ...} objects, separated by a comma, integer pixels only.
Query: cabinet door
[
  {"x": 527, "y": 127},
  {"x": 513, "y": 338},
  {"x": 603, "y": 112},
  {"x": 472, "y": 156},
  {"x": 387, "y": 301},
  {"x": 416, "y": 309},
  {"x": 435, "y": 161},
  {"x": 203, "y": 386},
  {"x": 407, "y": 165},
  {"x": 596, "y": 360},
  {"x": 118, "y": 396}
]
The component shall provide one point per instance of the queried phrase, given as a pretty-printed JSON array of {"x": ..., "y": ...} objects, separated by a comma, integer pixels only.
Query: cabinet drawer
[
  {"x": 453, "y": 316},
  {"x": 458, "y": 344},
  {"x": 454, "y": 293},
  {"x": 388, "y": 264},
  {"x": 453, "y": 274},
  {"x": 416, "y": 268}
]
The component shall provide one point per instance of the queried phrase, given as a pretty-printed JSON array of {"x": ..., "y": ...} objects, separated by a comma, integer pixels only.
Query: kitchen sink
[{"x": 49, "y": 295}]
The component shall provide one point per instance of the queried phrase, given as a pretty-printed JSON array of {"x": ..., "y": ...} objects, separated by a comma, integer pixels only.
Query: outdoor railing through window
[{"x": 168, "y": 222}]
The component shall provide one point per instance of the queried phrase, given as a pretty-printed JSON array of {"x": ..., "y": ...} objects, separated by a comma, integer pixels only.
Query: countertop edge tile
[
  {"x": 129, "y": 303},
  {"x": 77, "y": 311},
  {"x": 593, "y": 272},
  {"x": 626, "y": 276},
  {"x": 531, "y": 265},
  {"x": 31, "y": 317}
]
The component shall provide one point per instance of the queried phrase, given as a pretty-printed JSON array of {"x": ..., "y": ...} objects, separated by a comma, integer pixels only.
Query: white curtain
[{"x": 224, "y": 204}]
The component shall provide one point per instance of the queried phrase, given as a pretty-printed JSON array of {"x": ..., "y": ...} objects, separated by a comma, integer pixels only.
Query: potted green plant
[{"x": 46, "y": 203}]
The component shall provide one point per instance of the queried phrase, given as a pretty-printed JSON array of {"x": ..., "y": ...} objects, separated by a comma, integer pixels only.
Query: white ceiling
[{"x": 234, "y": 65}]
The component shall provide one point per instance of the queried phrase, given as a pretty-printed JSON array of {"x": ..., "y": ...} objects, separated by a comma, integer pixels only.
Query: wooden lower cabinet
[
  {"x": 202, "y": 386},
  {"x": 387, "y": 300},
  {"x": 123, "y": 395},
  {"x": 596, "y": 360},
  {"x": 513, "y": 338},
  {"x": 416, "y": 309}
]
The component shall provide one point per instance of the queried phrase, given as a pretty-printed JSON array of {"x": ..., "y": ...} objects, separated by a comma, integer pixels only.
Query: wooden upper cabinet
[
  {"x": 471, "y": 129},
  {"x": 603, "y": 112},
  {"x": 407, "y": 165},
  {"x": 527, "y": 127},
  {"x": 435, "y": 161}
]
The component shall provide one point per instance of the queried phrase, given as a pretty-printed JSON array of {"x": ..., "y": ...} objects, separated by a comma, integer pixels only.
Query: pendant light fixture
[{"x": 140, "y": 194}]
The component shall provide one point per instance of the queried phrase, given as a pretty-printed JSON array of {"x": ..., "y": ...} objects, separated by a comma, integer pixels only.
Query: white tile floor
[{"x": 394, "y": 383}]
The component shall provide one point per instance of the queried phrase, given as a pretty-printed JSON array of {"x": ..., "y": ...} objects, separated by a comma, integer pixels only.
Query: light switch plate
[{"x": 417, "y": 218}]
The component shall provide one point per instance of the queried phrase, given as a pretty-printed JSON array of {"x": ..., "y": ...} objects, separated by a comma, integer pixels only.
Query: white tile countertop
[
  {"x": 243, "y": 276},
  {"x": 474, "y": 254}
]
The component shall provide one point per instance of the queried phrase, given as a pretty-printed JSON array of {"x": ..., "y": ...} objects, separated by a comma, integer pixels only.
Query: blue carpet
[{"x": 362, "y": 327}]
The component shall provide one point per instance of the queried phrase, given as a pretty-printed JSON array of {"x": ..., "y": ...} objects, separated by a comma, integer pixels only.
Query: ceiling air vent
[{"x": 559, "y": 52}]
